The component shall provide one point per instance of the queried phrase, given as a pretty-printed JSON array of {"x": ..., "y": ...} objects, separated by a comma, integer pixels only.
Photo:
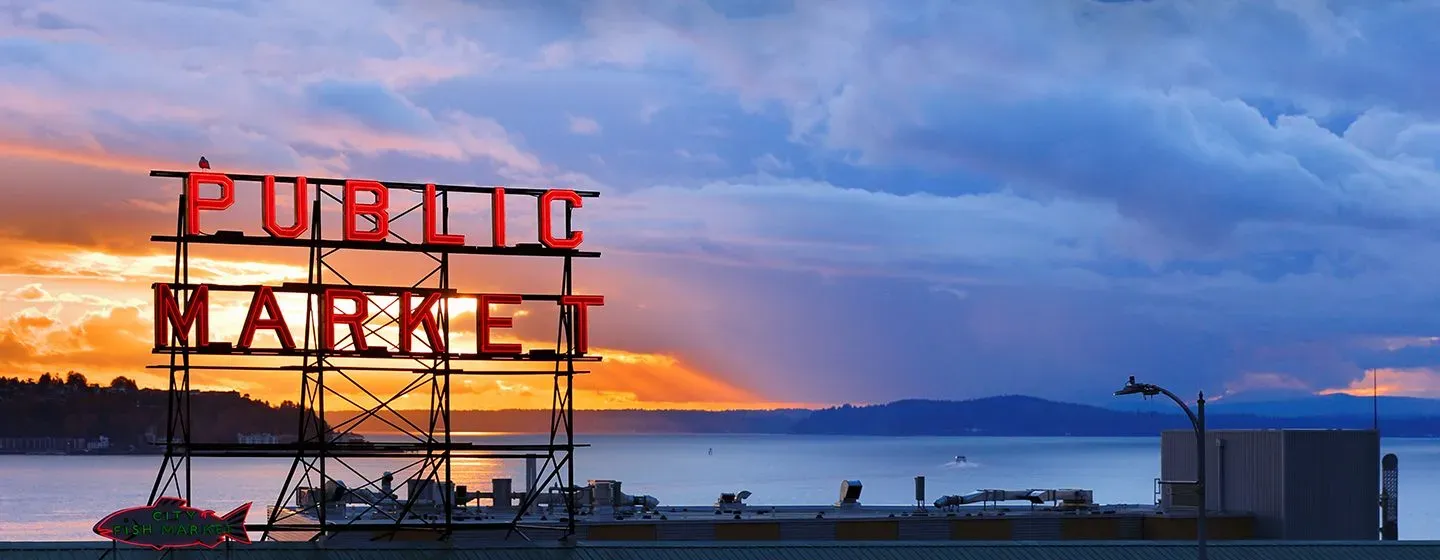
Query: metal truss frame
[{"x": 322, "y": 452}]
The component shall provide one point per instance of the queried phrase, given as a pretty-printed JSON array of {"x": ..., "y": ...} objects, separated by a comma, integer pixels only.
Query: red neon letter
[
  {"x": 264, "y": 300},
  {"x": 485, "y": 322},
  {"x": 376, "y": 210},
  {"x": 431, "y": 235},
  {"x": 194, "y": 204},
  {"x": 167, "y": 315},
  {"x": 547, "y": 236},
  {"x": 497, "y": 217},
  {"x": 356, "y": 321},
  {"x": 418, "y": 317},
  {"x": 582, "y": 318},
  {"x": 267, "y": 208}
]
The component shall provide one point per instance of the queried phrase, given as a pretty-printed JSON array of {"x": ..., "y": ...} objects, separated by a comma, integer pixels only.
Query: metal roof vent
[{"x": 849, "y": 493}]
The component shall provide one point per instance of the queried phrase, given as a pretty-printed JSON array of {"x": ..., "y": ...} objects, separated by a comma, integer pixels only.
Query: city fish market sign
[{"x": 170, "y": 523}]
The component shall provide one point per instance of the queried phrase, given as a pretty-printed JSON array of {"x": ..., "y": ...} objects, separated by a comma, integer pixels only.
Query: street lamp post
[{"x": 1198, "y": 422}]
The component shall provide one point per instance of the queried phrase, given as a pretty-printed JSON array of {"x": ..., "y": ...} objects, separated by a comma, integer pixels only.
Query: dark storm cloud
[
  {"x": 1304, "y": 216},
  {"x": 1188, "y": 164}
]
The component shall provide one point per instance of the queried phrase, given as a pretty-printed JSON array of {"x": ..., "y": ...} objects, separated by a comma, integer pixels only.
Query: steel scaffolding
[{"x": 324, "y": 452}]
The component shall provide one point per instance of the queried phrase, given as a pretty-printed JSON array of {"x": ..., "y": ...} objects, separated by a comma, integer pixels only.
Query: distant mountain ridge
[
  {"x": 123, "y": 412},
  {"x": 1337, "y": 404},
  {"x": 1305, "y": 406},
  {"x": 1010, "y": 415}
]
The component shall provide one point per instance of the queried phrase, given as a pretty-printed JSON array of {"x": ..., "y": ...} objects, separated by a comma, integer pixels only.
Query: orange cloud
[
  {"x": 46, "y": 330},
  {"x": 29, "y": 293},
  {"x": 101, "y": 341},
  {"x": 86, "y": 157},
  {"x": 1408, "y": 382},
  {"x": 75, "y": 295}
]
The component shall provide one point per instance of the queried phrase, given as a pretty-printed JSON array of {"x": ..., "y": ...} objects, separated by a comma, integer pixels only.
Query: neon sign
[
  {"x": 376, "y": 211},
  {"x": 170, "y": 523},
  {"x": 414, "y": 319},
  {"x": 366, "y": 218}
]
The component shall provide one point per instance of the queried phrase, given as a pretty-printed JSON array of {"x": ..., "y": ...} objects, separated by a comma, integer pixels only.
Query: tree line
[{"x": 71, "y": 406}]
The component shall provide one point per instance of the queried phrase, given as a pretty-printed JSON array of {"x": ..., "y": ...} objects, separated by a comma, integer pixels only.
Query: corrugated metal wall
[
  {"x": 1332, "y": 484},
  {"x": 1132, "y": 527},
  {"x": 1177, "y": 455},
  {"x": 807, "y": 530},
  {"x": 925, "y": 530},
  {"x": 1035, "y": 528},
  {"x": 1248, "y": 475},
  {"x": 1299, "y": 484},
  {"x": 685, "y": 531}
]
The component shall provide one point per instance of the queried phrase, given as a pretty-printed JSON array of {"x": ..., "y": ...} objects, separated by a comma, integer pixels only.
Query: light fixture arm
[{"x": 1194, "y": 420}]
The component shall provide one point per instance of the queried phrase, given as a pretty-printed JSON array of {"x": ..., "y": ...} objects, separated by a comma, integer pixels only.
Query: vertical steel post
[{"x": 1201, "y": 535}]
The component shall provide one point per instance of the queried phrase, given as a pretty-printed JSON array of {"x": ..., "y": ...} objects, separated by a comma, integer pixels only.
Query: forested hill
[
  {"x": 992, "y": 416},
  {"x": 75, "y": 408},
  {"x": 608, "y": 421},
  {"x": 1029, "y": 416},
  {"x": 72, "y": 407}
]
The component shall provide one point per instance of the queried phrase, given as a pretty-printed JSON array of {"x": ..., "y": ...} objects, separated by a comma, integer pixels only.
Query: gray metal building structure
[
  {"x": 1313, "y": 485},
  {"x": 1098, "y": 550}
]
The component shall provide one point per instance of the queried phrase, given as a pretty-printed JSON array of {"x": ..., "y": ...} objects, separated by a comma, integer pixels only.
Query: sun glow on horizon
[
  {"x": 1392, "y": 382},
  {"x": 54, "y": 326}
]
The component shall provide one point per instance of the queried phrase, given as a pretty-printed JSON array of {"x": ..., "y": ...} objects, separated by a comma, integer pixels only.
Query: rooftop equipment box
[{"x": 1319, "y": 485}]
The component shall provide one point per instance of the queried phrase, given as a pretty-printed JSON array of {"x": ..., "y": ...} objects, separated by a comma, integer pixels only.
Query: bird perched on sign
[{"x": 204, "y": 163}]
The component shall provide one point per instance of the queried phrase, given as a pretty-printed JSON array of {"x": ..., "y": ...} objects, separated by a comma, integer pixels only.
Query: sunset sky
[{"x": 803, "y": 202}]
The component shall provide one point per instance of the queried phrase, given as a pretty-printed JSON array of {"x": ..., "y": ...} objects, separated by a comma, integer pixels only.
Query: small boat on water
[{"x": 960, "y": 460}]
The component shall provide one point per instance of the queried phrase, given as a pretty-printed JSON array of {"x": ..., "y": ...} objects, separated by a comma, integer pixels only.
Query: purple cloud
[{"x": 1194, "y": 191}]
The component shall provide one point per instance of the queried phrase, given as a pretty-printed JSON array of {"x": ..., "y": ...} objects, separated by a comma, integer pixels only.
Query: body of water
[{"x": 61, "y": 497}]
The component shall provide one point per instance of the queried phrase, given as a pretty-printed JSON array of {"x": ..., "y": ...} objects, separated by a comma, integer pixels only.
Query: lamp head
[{"x": 1131, "y": 388}]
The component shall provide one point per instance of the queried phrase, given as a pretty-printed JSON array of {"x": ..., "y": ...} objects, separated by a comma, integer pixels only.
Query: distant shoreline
[
  {"x": 695, "y": 435},
  {"x": 1009, "y": 416},
  {"x": 120, "y": 419}
]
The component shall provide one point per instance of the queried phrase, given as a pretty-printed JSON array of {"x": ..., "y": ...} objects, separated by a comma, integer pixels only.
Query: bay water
[{"x": 53, "y": 498}]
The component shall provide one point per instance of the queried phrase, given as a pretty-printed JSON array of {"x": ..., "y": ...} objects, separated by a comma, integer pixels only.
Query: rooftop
[
  {"x": 830, "y": 512},
  {"x": 1130, "y": 550}
]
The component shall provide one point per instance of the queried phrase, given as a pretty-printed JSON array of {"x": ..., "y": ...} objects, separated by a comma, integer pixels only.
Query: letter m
[{"x": 168, "y": 316}]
